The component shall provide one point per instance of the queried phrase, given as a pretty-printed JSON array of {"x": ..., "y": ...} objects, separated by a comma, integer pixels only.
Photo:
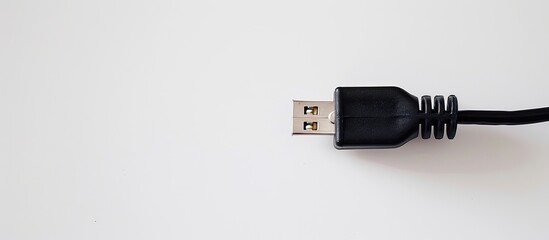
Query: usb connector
[
  {"x": 388, "y": 117},
  {"x": 313, "y": 117}
]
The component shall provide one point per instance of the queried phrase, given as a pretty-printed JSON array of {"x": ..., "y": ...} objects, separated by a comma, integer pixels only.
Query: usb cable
[{"x": 388, "y": 117}]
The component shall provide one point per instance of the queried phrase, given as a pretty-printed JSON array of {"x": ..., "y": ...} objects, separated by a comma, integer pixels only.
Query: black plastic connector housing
[{"x": 388, "y": 117}]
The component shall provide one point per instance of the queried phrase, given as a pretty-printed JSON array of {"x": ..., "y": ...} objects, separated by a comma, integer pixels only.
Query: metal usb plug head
[{"x": 313, "y": 117}]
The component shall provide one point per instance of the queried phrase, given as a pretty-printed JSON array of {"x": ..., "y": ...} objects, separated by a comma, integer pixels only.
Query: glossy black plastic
[{"x": 388, "y": 117}]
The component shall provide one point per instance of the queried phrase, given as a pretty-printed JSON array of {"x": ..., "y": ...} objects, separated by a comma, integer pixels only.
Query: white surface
[{"x": 171, "y": 120}]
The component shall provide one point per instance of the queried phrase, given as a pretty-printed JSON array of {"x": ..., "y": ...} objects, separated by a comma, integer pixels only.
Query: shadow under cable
[{"x": 475, "y": 149}]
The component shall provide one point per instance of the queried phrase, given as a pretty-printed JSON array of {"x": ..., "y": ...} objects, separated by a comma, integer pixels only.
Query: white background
[{"x": 172, "y": 119}]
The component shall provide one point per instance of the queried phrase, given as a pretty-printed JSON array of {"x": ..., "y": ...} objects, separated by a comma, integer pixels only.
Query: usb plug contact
[{"x": 313, "y": 117}]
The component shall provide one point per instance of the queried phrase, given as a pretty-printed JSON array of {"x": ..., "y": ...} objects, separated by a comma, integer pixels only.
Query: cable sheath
[{"x": 481, "y": 117}]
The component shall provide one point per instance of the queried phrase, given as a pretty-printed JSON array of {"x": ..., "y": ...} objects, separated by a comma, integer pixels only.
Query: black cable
[
  {"x": 388, "y": 117},
  {"x": 482, "y": 117}
]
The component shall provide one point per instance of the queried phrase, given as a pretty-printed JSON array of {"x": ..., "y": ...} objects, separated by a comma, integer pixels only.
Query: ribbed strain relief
[{"x": 437, "y": 116}]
